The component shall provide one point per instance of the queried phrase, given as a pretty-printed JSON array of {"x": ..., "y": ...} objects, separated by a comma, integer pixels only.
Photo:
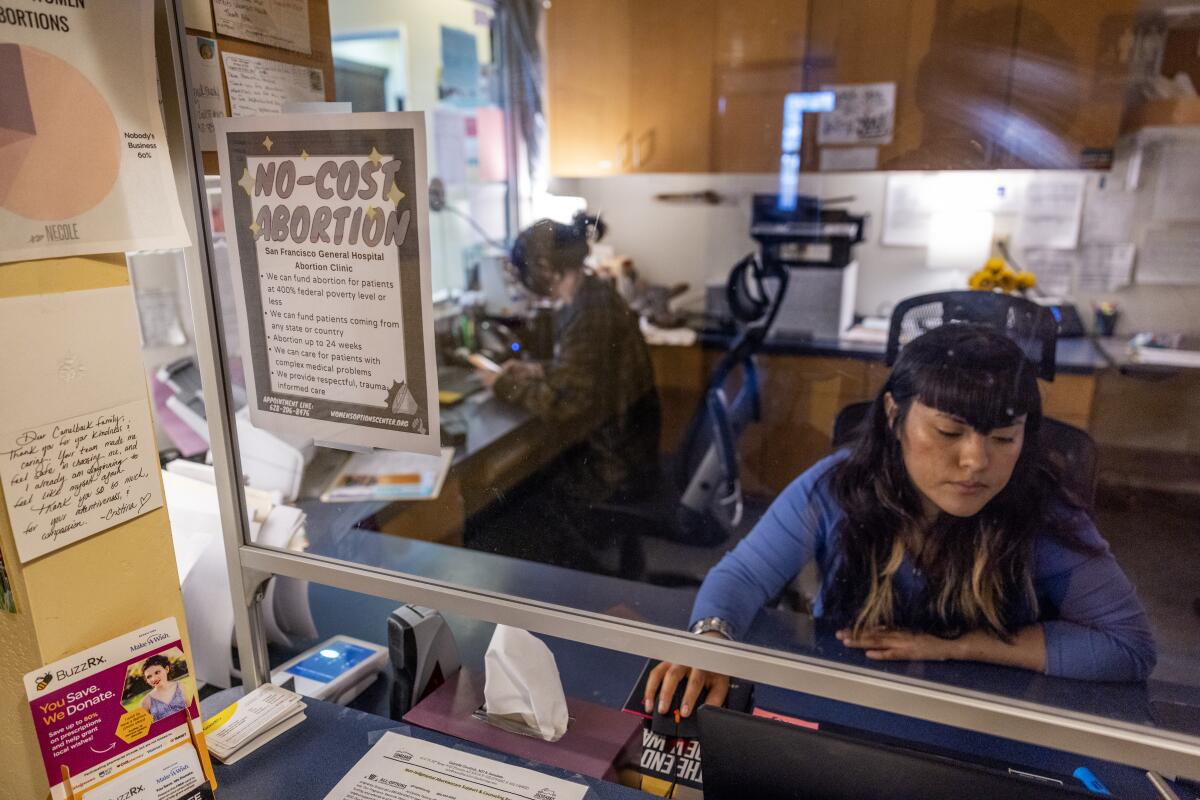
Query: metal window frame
[{"x": 251, "y": 565}]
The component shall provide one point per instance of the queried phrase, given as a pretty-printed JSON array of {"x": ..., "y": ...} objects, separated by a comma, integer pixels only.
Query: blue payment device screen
[{"x": 330, "y": 662}]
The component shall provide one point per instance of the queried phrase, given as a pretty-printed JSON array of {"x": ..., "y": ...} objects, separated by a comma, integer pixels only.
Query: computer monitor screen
[{"x": 748, "y": 756}]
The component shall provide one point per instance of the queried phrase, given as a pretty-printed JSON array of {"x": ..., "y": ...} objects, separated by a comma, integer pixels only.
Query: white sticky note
[
  {"x": 77, "y": 450},
  {"x": 1052, "y": 211},
  {"x": 848, "y": 159}
]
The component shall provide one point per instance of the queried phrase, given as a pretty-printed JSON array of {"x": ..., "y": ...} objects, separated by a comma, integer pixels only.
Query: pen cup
[{"x": 1106, "y": 319}]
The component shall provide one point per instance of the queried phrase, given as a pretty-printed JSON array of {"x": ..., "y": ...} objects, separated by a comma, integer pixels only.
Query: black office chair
[
  {"x": 698, "y": 501},
  {"x": 1069, "y": 449}
]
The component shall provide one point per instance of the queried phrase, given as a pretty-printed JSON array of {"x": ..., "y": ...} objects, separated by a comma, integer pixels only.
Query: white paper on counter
[
  {"x": 403, "y": 768},
  {"x": 1051, "y": 213},
  {"x": 77, "y": 391},
  {"x": 247, "y": 718},
  {"x": 262, "y": 86}
]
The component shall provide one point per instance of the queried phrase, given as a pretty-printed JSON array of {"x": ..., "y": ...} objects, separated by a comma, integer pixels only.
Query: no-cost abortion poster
[{"x": 327, "y": 221}]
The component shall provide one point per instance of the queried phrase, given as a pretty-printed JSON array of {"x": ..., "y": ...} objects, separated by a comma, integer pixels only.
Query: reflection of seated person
[
  {"x": 942, "y": 534},
  {"x": 166, "y": 697},
  {"x": 600, "y": 384}
]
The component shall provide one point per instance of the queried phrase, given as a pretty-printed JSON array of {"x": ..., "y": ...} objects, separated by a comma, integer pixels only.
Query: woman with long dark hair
[{"x": 942, "y": 534}]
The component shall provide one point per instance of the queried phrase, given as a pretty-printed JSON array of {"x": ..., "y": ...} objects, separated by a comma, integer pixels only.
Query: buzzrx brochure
[{"x": 116, "y": 718}]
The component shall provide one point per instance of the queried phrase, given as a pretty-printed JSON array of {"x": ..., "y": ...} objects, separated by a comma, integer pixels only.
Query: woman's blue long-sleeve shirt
[{"x": 1094, "y": 625}]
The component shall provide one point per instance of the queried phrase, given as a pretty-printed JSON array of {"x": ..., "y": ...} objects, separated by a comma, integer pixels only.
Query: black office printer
[{"x": 814, "y": 241}]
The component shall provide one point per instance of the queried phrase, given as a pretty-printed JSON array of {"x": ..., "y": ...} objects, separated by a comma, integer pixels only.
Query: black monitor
[{"x": 747, "y": 756}]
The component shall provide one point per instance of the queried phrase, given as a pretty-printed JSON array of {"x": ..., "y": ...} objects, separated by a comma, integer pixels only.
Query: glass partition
[{"x": 687, "y": 387}]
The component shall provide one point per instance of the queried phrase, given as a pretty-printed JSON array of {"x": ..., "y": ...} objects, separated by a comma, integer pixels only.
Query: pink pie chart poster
[{"x": 84, "y": 166}]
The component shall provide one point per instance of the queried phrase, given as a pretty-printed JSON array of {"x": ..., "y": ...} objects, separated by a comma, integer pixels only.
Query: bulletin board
[{"x": 199, "y": 21}]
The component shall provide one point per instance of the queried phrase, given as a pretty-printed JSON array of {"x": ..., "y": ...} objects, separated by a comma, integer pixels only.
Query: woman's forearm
[{"x": 1027, "y": 650}]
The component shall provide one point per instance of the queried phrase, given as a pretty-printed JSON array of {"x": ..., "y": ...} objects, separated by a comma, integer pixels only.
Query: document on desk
[{"x": 402, "y": 768}]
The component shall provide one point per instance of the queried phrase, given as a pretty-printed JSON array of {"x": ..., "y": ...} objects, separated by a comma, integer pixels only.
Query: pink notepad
[{"x": 594, "y": 743}]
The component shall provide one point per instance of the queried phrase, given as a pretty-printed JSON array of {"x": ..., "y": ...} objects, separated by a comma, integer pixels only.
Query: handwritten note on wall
[
  {"x": 77, "y": 449},
  {"x": 278, "y": 23},
  {"x": 262, "y": 86},
  {"x": 67, "y": 480},
  {"x": 863, "y": 113}
]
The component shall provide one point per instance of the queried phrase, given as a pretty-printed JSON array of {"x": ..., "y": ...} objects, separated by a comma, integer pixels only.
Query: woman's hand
[
  {"x": 517, "y": 370},
  {"x": 664, "y": 680},
  {"x": 488, "y": 377},
  {"x": 524, "y": 370},
  {"x": 883, "y": 644}
]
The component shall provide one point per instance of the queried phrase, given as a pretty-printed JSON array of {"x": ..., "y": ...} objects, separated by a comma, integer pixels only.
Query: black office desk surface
[
  {"x": 306, "y": 762},
  {"x": 671, "y": 607},
  {"x": 1073, "y": 355},
  {"x": 604, "y": 676}
]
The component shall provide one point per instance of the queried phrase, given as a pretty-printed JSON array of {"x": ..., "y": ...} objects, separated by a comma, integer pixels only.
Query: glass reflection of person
[
  {"x": 166, "y": 697},
  {"x": 600, "y": 379},
  {"x": 942, "y": 534},
  {"x": 596, "y": 393}
]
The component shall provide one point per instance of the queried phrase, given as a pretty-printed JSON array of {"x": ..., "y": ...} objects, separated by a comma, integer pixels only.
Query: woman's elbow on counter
[{"x": 1073, "y": 651}]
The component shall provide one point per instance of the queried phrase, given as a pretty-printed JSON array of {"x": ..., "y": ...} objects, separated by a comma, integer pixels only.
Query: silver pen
[{"x": 1164, "y": 789}]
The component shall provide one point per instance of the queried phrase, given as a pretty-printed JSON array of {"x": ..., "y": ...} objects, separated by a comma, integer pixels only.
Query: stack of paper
[
  {"x": 390, "y": 475},
  {"x": 1166, "y": 349},
  {"x": 1166, "y": 357},
  {"x": 251, "y": 722}
]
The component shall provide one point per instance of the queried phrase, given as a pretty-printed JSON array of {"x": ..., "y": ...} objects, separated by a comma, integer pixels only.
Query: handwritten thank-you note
[
  {"x": 77, "y": 450},
  {"x": 70, "y": 479}
]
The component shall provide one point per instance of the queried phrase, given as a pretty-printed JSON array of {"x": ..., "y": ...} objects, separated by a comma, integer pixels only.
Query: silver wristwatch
[{"x": 712, "y": 624}]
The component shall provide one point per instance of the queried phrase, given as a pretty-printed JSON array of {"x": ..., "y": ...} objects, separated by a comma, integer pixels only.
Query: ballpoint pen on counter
[{"x": 1161, "y": 786}]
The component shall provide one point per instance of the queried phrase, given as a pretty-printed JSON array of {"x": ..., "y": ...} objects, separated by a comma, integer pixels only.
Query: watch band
[{"x": 712, "y": 624}]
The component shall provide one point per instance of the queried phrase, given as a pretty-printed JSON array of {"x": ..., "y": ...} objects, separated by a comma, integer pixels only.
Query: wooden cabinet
[
  {"x": 588, "y": 73},
  {"x": 699, "y": 85},
  {"x": 760, "y": 48},
  {"x": 949, "y": 60},
  {"x": 672, "y": 84},
  {"x": 680, "y": 375},
  {"x": 629, "y": 85},
  {"x": 801, "y": 396},
  {"x": 761, "y": 32},
  {"x": 1070, "y": 76}
]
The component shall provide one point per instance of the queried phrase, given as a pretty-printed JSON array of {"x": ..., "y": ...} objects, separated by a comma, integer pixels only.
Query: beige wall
[{"x": 85, "y": 593}]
